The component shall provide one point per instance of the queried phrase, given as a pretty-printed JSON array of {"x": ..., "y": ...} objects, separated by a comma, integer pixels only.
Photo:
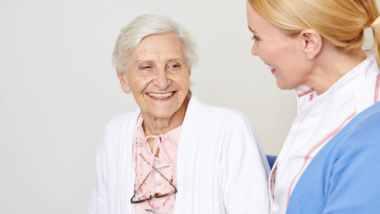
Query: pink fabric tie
[{"x": 157, "y": 145}]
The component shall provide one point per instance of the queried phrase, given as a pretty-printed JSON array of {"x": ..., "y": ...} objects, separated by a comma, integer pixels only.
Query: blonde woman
[{"x": 329, "y": 162}]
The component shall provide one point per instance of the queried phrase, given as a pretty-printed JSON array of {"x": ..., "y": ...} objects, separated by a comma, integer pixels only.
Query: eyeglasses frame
[{"x": 156, "y": 195}]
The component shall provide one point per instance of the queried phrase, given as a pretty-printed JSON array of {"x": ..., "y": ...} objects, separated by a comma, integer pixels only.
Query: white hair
[{"x": 132, "y": 34}]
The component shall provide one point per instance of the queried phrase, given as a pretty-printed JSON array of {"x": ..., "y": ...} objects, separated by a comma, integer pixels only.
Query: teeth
[
  {"x": 270, "y": 67},
  {"x": 161, "y": 96}
]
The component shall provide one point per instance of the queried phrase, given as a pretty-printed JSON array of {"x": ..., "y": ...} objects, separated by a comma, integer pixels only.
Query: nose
[
  {"x": 254, "y": 50},
  {"x": 161, "y": 80}
]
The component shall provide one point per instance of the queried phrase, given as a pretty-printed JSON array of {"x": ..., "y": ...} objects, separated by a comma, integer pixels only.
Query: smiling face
[
  {"x": 158, "y": 75},
  {"x": 282, "y": 53}
]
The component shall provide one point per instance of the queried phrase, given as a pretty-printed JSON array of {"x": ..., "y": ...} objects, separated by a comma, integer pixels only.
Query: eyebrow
[
  {"x": 175, "y": 60},
  {"x": 152, "y": 62},
  {"x": 143, "y": 61}
]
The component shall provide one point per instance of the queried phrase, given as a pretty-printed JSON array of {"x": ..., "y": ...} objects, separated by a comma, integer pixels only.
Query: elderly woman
[
  {"x": 330, "y": 160},
  {"x": 174, "y": 154}
]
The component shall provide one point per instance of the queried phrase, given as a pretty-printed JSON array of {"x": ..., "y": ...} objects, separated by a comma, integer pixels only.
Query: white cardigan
[{"x": 221, "y": 166}]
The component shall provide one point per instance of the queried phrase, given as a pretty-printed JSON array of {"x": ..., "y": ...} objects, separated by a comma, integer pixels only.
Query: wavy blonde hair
[{"x": 341, "y": 22}]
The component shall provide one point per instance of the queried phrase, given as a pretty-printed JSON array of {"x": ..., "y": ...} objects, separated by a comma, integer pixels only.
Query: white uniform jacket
[
  {"x": 221, "y": 166},
  {"x": 319, "y": 118}
]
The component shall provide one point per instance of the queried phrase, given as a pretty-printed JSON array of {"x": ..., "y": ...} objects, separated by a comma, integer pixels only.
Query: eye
[
  {"x": 255, "y": 38},
  {"x": 175, "y": 67},
  {"x": 145, "y": 67}
]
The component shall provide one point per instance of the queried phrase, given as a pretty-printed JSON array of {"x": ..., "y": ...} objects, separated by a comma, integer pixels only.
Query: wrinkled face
[
  {"x": 158, "y": 75},
  {"x": 282, "y": 53}
]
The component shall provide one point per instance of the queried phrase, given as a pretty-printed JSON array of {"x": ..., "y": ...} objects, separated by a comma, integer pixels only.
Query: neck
[
  {"x": 332, "y": 65},
  {"x": 156, "y": 126}
]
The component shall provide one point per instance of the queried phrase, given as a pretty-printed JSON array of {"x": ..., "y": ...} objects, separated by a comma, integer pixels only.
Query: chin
[
  {"x": 162, "y": 114},
  {"x": 283, "y": 86}
]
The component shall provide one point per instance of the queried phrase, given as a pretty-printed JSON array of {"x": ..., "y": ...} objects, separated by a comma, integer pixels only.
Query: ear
[
  {"x": 311, "y": 42},
  {"x": 123, "y": 81}
]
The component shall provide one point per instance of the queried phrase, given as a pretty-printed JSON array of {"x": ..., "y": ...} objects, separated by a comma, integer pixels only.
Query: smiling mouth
[
  {"x": 161, "y": 96},
  {"x": 272, "y": 69}
]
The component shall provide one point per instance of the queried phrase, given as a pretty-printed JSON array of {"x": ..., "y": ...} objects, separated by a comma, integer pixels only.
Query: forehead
[{"x": 159, "y": 47}]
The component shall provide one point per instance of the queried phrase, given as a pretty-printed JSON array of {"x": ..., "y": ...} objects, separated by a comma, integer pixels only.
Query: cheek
[
  {"x": 183, "y": 80},
  {"x": 292, "y": 61},
  {"x": 185, "y": 84},
  {"x": 268, "y": 53},
  {"x": 281, "y": 56},
  {"x": 138, "y": 83}
]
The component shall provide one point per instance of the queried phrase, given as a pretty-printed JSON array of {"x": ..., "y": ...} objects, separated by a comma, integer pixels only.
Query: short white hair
[{"x": 132, "y": 34}]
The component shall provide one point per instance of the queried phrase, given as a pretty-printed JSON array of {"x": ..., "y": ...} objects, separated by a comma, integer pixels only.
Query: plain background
[{"x": 58, "y": 89}]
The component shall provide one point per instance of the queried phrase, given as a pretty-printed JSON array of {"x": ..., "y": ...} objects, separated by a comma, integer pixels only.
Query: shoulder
[
  {"x": 217, "y": 122},
  {"x": 363, "y": 130},
  {"x": 231, "y": 119},
  {"x": 119, "y": 120},
  {"x": 222, "y": 114},
  {"x": 345, "y": 171},
  {"x": 117, "y": 126},
  {"x": 227, "y": 122},
  {"x": 355, "y": 171},
  {"x": 357, "y": 144}
]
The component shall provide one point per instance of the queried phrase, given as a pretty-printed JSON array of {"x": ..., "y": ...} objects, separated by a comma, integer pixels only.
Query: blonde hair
[{"x": 341, "y": 22}]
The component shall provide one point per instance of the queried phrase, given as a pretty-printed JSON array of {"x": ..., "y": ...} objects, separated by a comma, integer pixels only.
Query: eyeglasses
[{"x": 157, "y": 194}]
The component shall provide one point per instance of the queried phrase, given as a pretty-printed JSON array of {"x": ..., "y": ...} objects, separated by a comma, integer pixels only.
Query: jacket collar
[{"x": 353, "y": 84}]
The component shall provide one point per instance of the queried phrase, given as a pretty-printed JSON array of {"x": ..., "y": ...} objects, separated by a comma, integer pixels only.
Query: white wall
[{"x": 58, "y": 89}]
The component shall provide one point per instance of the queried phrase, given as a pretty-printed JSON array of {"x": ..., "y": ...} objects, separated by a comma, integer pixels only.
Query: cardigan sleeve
[
  {"x": 99, "y": 198},
  {"x": 245, "y": 171},
  {"x": 354, "y": 183}
]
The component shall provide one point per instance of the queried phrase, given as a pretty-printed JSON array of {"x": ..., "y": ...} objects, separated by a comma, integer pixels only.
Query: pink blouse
[{"x": 166, "y": 163}]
